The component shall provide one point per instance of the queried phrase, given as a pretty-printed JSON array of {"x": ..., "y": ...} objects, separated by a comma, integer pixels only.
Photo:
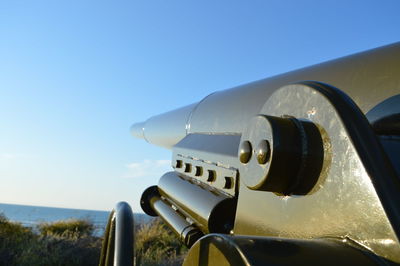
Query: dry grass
[
  {"x": 67, "y": 227},
  {"x": 156, "y": 244}
]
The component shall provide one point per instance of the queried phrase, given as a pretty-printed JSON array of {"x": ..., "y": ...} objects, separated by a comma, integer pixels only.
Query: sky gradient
[{"x": 74, "y": 76}]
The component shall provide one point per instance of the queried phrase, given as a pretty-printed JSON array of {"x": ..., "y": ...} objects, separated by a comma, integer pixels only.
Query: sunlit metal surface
[
  {"x": 354, "y": 195},
  {"x": 342, "y": 204},
  {"x": 210, "y": 210},
  {"x": 368, "y": 78},
  {"x": 214, "y": 155}
]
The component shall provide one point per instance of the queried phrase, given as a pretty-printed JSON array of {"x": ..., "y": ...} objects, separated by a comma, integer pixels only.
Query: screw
[
  {"x": 245, "y": 152},
  {"x": 263, "y": 152}
]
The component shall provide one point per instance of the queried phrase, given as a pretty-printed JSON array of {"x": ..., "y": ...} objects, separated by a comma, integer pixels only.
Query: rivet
[
  {"x": 245, "y": 152},
  {"x": 263, "y": 152}
]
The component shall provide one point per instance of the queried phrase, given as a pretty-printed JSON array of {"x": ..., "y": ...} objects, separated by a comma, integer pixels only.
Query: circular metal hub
[
  {"x": 284, "y": 154},
  {"x": 278, "y": 153}
]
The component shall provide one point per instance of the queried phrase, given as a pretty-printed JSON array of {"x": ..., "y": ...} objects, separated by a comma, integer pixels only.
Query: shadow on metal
[{"x": 118, "y": 243}]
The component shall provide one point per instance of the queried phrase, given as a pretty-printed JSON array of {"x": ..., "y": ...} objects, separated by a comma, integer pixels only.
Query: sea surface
[{"x": 33, "y": 215}]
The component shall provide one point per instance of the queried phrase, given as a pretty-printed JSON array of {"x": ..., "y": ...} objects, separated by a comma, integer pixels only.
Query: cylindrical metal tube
[
  {"x": 153, "y": 205},
  {"x": 368, "y": 78},
  {"x": 210, "y": 210},
  {"x": 187, "y": 232},
  {"x": 172, "y": 218},
  {"x": 165, "y": 129}
]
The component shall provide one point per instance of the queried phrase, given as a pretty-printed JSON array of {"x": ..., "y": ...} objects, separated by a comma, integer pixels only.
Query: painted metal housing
[{"x": 337, "y": 122}]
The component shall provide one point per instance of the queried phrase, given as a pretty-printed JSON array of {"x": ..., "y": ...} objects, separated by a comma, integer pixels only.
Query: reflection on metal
[
  {"x": 304, "y": 166},
  {"x": 218, "y": 249},
  {"x": 357, "y": 194},
  {"x": 263, "y": 151},
  {"x": 245, "y": 151},
  {"x": 211, "y": 211},
  {"x": 166, "y": 129},
  {"x": 288, "y": 155},
  {"x": 118, "y": 248},
  {"x": 215, "y": 155},
  {"x": 368, "y": 78},
  {"x": 153, "y": 205}
]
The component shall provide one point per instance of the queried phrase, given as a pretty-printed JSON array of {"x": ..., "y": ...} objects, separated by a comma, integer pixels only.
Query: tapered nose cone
[{"x": 137, "y": 130}]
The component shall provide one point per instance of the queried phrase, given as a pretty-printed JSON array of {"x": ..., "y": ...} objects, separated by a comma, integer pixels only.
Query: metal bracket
[
  {"x": 357, "y": 194},
  {"x": 209, "y": 159}
]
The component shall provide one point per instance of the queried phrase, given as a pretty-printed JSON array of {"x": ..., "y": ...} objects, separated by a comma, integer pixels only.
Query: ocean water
[{"x": 33, "y": 215}]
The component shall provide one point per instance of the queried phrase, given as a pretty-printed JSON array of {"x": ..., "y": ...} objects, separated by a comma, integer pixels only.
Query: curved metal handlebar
[{"x": 118, "y": 244}]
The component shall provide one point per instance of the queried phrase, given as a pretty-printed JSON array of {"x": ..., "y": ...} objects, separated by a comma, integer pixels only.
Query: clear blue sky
[{"x": 74, "y": 75}]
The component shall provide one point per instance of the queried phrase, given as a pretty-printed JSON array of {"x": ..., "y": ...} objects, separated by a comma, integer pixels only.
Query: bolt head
[
  {"x": 245, "y": 152},
  {"x": 263, "y": 152}
]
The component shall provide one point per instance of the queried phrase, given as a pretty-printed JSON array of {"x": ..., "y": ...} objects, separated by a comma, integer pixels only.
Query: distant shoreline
[
  {"x": 30, "y": 215},
  {"x": 55, "y": 207}
]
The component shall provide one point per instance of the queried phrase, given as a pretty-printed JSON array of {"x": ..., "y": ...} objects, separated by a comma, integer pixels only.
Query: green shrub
[
  {"x": 62, "y": 243},
  {"x": 71, "y": 242},
  {"x": 14, "y": 239},
  {"x": 68, "y": 228},
  {"x": 60, "y": 250}
]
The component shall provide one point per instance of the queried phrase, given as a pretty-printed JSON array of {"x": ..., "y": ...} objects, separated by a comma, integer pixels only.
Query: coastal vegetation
[
  {"x": 157, "y": 245},
  {"x": 73, "y": 242}
]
